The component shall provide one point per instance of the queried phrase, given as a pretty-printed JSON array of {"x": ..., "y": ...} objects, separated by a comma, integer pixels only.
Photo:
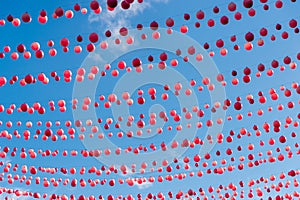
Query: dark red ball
[
  {"x": 248, "y": 3},
  {"x": 59, "y": 12},
  {"x": 94, "y": 5},
  {"x": 112, "y": 3}
]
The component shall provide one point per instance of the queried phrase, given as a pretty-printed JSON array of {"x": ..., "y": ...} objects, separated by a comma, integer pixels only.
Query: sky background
[{"x": 145, "y": 13}]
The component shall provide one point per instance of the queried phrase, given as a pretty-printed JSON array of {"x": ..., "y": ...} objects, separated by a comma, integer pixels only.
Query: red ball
[
  {"x": 48, "y": 132},
  {"x": 216, "y": 9},
  {"x": 93, "y": 37},
  {"x": 276, "y": 123},
  {"x": 210, "y": 22},
  {"x": 220, "y": 43},
  {"x": 266, "y": 7},
  {"x": 79, "y": 38},
  {"x": 94, "y": 5},
  {"x": 227, "y": 102},
  {"x": 292, "y": 173},
  {"x": 141, "y": 100},
  {"x": 139, "y": 26},
  {"x": 275, "y": 63},
  {"x": 170, "y": 22},
  {"x": 53, "y": 74},
  {"x": 90, "y": 47},
  {"x": 163, "y": 56},
  {"x": 278, "y": 4},
  {"x": 28, "y": 79},
  {"x": 278, "y": 26},
  {"x": 39, "y": 54},
  {"x": 24, "y": 107},
  {"x": 64, "y": 42},
  {"x": 231, "y": 6},
  {"x": 261, "y": 67},
  {"x": 43, "y": 13},
  {"x": 140, "y": 124},
  {"x": 248, "y": 3},
  {"x": 285, "y": 35},
  {"x": 224, "y": 20},
  {"x": 251, "y": 12},
  {"x": 293, "y": 23},
  {"x": 246, "y": 79},
  {"x": 247, "y": 71},
  {"x": 233, "y": 38},
  {"x": 76, "y": 7},
  {"x": 200, "y": 15},
  {"x": 10, "y": 18},
  {"x": 238, "y": 15},
  {"x": 238, "y": 105},
  {"x": 154, "y": 25},
  {"x": 287, "y": 60},
  {"x": 206, "y": 46},
  {"x": 282, "y": 139},
  {"x": 298, "y": 90},
  {"x": 186, "y": 16},
  {"x": 150, "y": 58},
  {"x": 298, "y": 56},
  {"x": 263, "y": 32},
  {"x": 112, "y": 3},
  {"x": 41, "y": 110},
  {"x": 112, "y": 182},
  {"x": 290, "y": 104},
  {"x": 123, "y": 31},
  {"x": 108, "y": 33},
  {"x": 249, "y": 37},
  {"x": 125, "y": 5},
  {"x": 136, "y": 62},
  {"x": 26, "y": 17},
  {"x": 59, "y": 12},
  {"x": 287, "y": 93},
  {"x": 21, "y": 48}
]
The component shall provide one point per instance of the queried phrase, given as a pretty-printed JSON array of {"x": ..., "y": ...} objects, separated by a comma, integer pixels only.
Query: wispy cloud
[
  {"x": 6, "y": 160},
  {"x": 118, "y": 18},
  {"x": 145, "y": 185},
  {"x": 114, "y": 20},
  {"x": 95, "y": 57},
  {"x": 12, "y": 196}
]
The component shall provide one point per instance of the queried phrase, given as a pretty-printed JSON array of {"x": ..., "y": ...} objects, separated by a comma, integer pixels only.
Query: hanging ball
[
  {"x": 59, "y": 12},
  {"x": 26, "y": 18},
  {"x": 247, "y": 3},
  {"x": 112, "y": 3},
  {"x": 94, "y": 5}
]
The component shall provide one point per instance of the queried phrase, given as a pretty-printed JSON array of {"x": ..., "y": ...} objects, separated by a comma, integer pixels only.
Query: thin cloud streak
[{"x": 118, "y": 18}]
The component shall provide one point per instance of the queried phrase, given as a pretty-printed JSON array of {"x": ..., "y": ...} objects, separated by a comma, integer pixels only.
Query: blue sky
[{"x": 145, "y": 13}]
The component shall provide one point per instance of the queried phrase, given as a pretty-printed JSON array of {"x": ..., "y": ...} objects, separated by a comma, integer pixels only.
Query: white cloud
[
  {"x": 6, "y": 160},
  {"x": 145, "y": 185},
  {"x": 13, "y": 196},
  {"x": 95, "y": 57},
  {"x": 121, "y": 18},
  {"x": 114, "y": 20},
  {"x": 160, "y": 1}
]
